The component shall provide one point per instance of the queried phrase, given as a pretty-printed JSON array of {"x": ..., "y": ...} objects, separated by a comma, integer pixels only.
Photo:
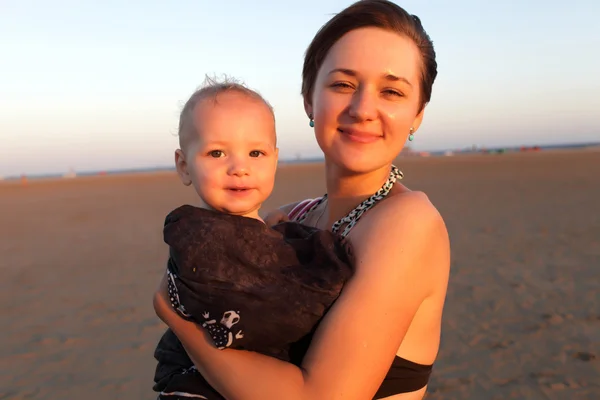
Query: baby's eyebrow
[
  {"x": 262, "y": 146},
  {"x": 215, "y": 143}
]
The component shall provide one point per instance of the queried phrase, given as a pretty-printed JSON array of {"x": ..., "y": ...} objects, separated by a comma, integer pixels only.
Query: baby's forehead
[
  {"x": 240, "y": 124},
  {"x": 232, "y": 99},
  {"x": 256, "y": 140},
  {"x": 200, "y": 142}
]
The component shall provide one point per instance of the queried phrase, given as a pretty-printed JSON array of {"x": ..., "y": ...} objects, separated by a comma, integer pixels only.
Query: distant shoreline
[{"x": 314, "y": 160}]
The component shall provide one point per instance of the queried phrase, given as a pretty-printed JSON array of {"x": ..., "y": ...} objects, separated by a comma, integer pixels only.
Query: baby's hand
[{"x": 276, "y": 216}]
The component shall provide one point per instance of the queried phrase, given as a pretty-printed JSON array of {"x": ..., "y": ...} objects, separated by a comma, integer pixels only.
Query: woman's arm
[
  {"x": 230, "y": 372},
  {"x": 401, "y": 249}
]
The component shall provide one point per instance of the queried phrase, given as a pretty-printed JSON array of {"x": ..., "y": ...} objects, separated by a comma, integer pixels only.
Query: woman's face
[{"x": 366, "y": 99}]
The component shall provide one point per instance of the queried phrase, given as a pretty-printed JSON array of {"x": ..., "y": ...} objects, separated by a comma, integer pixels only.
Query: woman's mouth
[{"x": 359, "y": 136}]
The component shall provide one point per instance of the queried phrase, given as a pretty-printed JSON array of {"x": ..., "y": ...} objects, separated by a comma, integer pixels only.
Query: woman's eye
[
  {"x": 342, "y": 85},
  {"x": 393, "y": 93},
  {"x": 216, "y": 153}
]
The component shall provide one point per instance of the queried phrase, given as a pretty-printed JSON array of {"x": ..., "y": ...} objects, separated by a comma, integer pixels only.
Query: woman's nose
[{"x": 363, "y": 106}]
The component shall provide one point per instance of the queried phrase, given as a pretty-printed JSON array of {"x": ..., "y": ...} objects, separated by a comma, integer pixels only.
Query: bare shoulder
[
  {"x": 401, "y": 214},
  {"x": 415, "y": 203},
  {"x": 404, "y": 234}
]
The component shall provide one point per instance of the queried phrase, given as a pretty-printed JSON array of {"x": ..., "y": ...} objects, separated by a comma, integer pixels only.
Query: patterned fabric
[{"x": 302, "y": 207}]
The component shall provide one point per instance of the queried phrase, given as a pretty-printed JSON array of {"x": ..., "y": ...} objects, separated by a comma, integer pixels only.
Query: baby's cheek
[
  {"x": 268, "y": 185},
  {"x": 209, "y": 178}
]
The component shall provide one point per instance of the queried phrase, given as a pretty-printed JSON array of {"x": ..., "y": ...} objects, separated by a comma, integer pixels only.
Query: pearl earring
[
  {"x": 411, "y": 137},
  {"x": 311, "y": 123}
]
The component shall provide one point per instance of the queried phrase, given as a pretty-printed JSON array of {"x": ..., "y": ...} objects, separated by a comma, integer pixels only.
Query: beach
[{"x": 81, "y": 258}]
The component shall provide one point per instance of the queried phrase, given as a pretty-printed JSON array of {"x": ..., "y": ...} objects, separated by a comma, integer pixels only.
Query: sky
[{"x": 98, "y": 85}]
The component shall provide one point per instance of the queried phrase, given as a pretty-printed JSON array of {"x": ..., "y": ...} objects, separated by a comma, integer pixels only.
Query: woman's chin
[{"x": 359, "y": 162}]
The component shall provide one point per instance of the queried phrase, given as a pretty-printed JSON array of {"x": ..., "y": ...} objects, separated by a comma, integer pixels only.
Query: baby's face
[{"x": 232, "y": 158}]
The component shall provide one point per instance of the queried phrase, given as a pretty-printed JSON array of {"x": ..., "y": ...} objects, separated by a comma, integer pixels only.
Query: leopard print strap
[{"x": 353, "y": 216}]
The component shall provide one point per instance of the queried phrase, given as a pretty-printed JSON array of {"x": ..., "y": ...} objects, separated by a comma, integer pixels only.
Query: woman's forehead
[{"x": 370, "y": 52}]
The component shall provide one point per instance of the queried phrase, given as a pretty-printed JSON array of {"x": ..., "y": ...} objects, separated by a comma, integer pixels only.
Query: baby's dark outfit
[{"x": 249, "y": 286}]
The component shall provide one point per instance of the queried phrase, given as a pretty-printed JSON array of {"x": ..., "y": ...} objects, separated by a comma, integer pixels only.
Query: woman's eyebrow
[{"x": 387, "y": 76}]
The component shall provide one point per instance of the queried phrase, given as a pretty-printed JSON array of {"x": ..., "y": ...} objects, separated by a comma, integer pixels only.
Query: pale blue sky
[{"x": 99, "y": 84}]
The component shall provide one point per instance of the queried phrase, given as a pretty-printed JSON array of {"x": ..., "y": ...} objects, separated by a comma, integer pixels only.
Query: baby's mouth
[{"x": 239, "y": 189}]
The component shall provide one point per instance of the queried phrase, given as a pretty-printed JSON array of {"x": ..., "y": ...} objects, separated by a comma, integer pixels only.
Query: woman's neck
[{"x": 346, "y": 190}]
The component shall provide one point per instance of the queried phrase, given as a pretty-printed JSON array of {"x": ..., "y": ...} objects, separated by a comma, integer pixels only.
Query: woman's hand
[
  {"x": 243, "y": 366},
  {"x": 161, "y": 302}
]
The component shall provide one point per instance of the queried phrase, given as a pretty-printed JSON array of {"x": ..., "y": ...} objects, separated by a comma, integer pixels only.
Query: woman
[{"x": 367, "y": 77}]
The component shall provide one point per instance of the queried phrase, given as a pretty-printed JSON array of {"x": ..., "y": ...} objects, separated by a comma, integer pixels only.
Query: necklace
[{"x": 353, "y": 216}]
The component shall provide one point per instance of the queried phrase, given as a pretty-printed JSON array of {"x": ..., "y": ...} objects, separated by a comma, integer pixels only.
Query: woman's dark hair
[{"x": 370, "y": 13}]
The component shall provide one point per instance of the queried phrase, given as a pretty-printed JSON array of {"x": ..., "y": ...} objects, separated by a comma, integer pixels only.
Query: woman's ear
[
  {"x": 418, "y": 119},
  {"x": 308, "y": 108}
]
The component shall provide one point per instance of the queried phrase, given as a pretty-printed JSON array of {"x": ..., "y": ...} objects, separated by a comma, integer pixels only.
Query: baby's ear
[
  {"x": 276, "y": 157},
  {"x": 182, "y": 168}
]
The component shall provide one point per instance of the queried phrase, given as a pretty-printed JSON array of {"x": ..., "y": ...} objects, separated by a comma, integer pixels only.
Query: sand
[{"x": 80, "y": 259}]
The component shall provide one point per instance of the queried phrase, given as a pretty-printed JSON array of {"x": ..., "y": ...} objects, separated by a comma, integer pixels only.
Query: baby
[{"x": 227, "y": 270}]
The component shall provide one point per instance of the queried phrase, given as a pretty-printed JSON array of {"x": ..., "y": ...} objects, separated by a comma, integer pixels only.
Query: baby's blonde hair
[{"x": 211, "y": 88}]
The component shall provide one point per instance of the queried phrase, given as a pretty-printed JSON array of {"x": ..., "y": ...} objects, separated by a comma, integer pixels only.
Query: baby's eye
[
  {"x": 216, "y": 153},
  {"x": 256, "y": 153}
]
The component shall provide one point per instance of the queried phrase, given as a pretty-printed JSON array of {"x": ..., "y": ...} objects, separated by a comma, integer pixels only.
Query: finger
[
  {"x": 276, "y": 217},
  {"x": 284, "y": 217}
]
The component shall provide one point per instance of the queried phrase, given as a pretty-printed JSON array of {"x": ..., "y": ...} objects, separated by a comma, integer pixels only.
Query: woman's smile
[{"x": 359, "y": 136}]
